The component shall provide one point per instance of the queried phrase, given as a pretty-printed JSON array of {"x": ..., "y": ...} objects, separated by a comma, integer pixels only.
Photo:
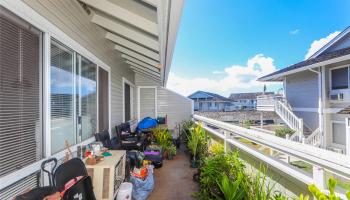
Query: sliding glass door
[
  {"x": 73, "y": 97},
  {"x": 87, "y": 97},
  {"x": 62, "y": 97}
]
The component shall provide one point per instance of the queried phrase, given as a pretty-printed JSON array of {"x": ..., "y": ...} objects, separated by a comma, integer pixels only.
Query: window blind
[{"x": 20, "y": 99}]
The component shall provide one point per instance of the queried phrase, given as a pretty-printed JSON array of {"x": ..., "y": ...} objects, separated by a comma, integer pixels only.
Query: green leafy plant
[
  {"x": 319, "y": 195},
  {"x": 164, "y": 138},
  {"x": 231, "y": 189},
  {"x": 279, "y": 196},
  {"x": 198, "y": 142},
  {"x": 282, "y": 132},
  {"x": 247, "y": 123},
  {"x": 185, "y": 130},
  {"x": 171, "y": 151},
  {"x": 259, "y": 187}
]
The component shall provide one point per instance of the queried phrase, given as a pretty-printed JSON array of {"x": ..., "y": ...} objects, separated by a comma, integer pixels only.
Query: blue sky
[{"x": 222, "y": 45}]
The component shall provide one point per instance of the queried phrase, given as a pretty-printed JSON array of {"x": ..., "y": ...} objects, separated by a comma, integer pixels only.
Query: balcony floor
[{"x": 174, "y": 180}]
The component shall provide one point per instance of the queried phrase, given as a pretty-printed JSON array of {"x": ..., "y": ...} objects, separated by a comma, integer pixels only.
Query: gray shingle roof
[
  {"x": 219, "y": 97},
  {"x": 250, "y": 95},
  {"x": 322, "y": 57}
]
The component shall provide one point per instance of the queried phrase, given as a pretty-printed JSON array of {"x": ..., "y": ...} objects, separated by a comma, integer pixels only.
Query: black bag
[
  {"x": 37, "y": 193},
  {"x": 157, "y": 160},
  {"x": 80, "y": 190}
]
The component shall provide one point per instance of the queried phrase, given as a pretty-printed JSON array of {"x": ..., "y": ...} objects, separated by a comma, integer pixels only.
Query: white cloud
[
  {"x": 294, "y": 32},
  {"x": 318, "y": 44},
  {"x": 235, "y": 78},
  {"x": 218, "y": 72}
]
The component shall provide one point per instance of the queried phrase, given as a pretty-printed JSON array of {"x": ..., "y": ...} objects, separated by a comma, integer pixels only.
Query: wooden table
[{"x": 107, "y": 175}]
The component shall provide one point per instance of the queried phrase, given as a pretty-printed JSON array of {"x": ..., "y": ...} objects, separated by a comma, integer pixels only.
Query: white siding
[
  {"x": 148, "y": 103},
  {"x": 71, "y": 18},
  {"x": 140, "y": 80},
  {"x": 177, "y": 107},
  {"x": 302, "y": 90}
]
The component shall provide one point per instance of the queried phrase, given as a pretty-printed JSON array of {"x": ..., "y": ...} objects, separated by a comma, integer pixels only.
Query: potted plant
[
  {"x": 193, "y": 142},
  {"x": 171, "y": 152}
]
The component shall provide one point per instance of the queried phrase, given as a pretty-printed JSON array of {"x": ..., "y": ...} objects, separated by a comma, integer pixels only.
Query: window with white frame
[
  {"x": 338, "y": 133},
  {"x": 73, "y": 97},
  {"x": 340, "y": 78},
  {"x": 20, "y": 93}
]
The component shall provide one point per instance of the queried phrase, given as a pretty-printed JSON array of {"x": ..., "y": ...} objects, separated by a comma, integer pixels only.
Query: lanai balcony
[{"x": 70, "y": 69}]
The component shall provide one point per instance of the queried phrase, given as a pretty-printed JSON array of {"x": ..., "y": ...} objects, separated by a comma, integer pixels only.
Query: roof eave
[{"x": 279, "y": 77}]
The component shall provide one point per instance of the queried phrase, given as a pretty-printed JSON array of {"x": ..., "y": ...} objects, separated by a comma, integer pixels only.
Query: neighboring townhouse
[
  {"x": 207, "y": 101},
  {"x": 245, "y": 101},
  {"x": 317, "y": 96}
]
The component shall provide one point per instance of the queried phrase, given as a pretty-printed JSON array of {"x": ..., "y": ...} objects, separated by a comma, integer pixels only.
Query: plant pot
[
  {"x": 170, "y": 156},
  {"x": 194, "y": 164},
  {"x": 165, "y": 154}
]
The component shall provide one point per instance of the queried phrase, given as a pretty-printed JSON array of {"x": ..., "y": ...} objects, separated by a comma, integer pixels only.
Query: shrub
[
  {"x": 282, "y": 132},
  {"x": 198, "y": 141},
  {"x": 163, "y": 137},
  {"x": 247, "y": 123}
]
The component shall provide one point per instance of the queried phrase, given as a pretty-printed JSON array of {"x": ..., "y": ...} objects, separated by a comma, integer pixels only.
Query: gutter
[{"x": 319, "y": 64}]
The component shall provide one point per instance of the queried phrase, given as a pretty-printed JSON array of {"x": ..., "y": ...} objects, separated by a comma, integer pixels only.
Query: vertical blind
[{"x": 20, "y": 98}]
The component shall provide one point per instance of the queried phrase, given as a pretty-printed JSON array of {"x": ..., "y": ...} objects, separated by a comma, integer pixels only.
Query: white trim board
[{"x": 30, "y": 169}]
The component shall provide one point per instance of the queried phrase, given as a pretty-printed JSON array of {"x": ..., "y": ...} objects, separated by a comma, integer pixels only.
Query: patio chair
[
  {"x": 128, "y": 140},
  {"x": 106, "y": 140}
]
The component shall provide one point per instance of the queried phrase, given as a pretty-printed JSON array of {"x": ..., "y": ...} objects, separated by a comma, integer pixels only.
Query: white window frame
[
  {"x": 330, "y": 78},
  {"x": 139, "y": 101},
  {"x": 132, "y": 88},
  {"x": 341, "y": 146},
  {"x": 49, "y": 30}
]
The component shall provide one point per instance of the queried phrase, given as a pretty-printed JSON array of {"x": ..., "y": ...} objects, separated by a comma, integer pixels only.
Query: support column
[
  {"x": 347, "y": 126},
  {"x": 319, "y": 177},
  {"x": 225, "y": 141},
  {"x": 322, "y": 99}
]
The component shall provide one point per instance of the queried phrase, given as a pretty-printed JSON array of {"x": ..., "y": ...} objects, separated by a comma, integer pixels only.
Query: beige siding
[
  {"x": 177, "y": 107},
  {"x": 71, "y": 18}
]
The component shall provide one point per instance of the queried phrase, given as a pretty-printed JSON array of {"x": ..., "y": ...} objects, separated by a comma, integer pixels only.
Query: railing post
[
  {"x": 225, "y": 141},
  {"x": 347, "y": 126},
  {"x": 301, "y": 128},
  {"x": 319, "y": 177}
]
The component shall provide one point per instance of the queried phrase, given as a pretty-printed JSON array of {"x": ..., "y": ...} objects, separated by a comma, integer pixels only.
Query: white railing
[
  {"x": 290, "y": 118},
  {"x": 321, "y": 159},
  {"x": 315, "y": 138}
]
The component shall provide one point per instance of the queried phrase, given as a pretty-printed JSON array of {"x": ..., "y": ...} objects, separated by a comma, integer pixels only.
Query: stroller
[{"x": 70, "y": 179}]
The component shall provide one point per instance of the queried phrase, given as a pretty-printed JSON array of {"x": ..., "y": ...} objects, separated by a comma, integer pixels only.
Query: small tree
[{"x": 282, "y": 132}]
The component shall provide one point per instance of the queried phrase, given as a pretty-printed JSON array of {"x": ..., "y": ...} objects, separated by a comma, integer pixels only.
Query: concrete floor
[{"x": 174, "y": 180}]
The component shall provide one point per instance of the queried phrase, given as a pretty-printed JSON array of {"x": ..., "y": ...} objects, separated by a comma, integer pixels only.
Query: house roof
[
  {"x": 319, "y": 57},
  {"x": 345, "y": 110},
  {"x": 213, "y": 95},
  {"x": 322, "y": 57},
  {"x": 251, "y": 95}
]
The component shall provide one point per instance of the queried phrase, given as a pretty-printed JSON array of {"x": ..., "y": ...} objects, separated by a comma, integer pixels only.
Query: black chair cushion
[{"x": 104, "y": 138}]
